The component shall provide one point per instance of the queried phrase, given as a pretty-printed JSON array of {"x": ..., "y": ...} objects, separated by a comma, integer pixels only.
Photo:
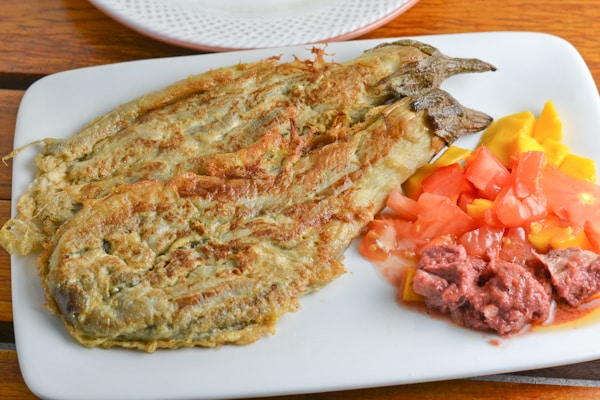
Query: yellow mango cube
[
  {"x": 453, "y": 154},
  {"x": 527, "y": 143},
  {"x": 502, "y": 135},
  {"x": 568, "y": 238},
  {"x": 477, "y": 208},
  {"x": 579, "y": 167},
  {"x": 555, "y": 151},
  {"x": 408, "y": 293},
  {"x": 549, "y": 125},
  {"x": 552, "y": 233},
  {"x": 541, "y": 232}
]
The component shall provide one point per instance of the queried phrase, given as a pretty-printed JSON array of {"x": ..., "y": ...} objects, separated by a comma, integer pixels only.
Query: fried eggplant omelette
[{"x": 199, "y": 214}]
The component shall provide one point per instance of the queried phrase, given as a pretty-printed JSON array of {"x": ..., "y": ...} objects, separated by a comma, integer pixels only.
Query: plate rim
[
  {"x": 105, "y": 6},
  {"x": 33, "y": 381}
]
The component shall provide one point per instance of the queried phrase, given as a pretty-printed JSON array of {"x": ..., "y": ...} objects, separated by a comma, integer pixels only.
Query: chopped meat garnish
[
  {"x": 508, "y": 299},
  {"x": 446, "y": 275},
  {"x": 497, "y": 295},
  {"x": 575, "y": 273}
]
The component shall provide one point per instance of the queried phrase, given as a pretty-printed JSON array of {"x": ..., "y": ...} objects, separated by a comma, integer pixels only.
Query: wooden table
[{"x": 41, "y": 37}]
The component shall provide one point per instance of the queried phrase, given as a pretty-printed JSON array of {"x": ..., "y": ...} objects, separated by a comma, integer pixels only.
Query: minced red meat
[
  {"x": 575, "y": 273},
  {"x": 446, "y": 276},
  {"x": 497, "y": 295},
  {"x": 506, "y": 299}
]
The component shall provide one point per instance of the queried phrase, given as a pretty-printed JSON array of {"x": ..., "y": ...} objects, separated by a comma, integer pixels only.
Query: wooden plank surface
[
  {"x": 12, "y": 386},
  {"x": 6, "y": 314},
  {"x": 41, "y": 37},
  {"x": 9, "y": 104}
]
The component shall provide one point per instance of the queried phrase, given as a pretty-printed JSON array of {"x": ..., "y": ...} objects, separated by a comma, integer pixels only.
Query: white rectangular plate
[{"x": 351, "y": 334}]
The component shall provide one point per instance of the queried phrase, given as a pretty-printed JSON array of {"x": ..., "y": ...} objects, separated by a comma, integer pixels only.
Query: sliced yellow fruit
[
  {"x": 477, "y": 208},
  {"x": 453, "y": 154},
  {"x": 549, "y": 125},
  {"x": 527, "y": 143},
  {"x": 408, "y": 293},
  {"x": 568, "y": 238},
  {"x": 555, "y": 151},
  {"x": 502, "y": 136},
  {"x": 541, "y": 232},
  {"x": 579, "y": 167},
  {"x": 552, "y": 233}
]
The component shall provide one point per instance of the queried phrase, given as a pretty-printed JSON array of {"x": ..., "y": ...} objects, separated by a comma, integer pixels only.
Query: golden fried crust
[
  {"x": 190, "y": 124},
  {"x": 202, "y": 260},
  {"x": 198, "y": 215}
]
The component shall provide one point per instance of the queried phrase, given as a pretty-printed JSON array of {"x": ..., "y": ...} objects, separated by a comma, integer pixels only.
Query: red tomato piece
[
  {"x": 465, "y": 199},
  {"x": 379, "y": 241},
  {"x": 512, "y": 211},
  {"x": 486, "y": 172},
  {"x": 448, "y": 180},
  {"x": 403, "y": 207},
  {"x": 528, "y": 173},
  {"x": 439, "y": 216},
  {"x": 572, "y": 199},
  {"x": 407, "y": 242},
  {"x": 491, "y": 218},
  {"x": 521, "y": 201},
  {"x": 483, "y": 241},
  {"x": 592, "y": 231}
]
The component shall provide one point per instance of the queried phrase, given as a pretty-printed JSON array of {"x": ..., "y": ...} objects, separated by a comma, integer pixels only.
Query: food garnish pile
[
  {"x": 500, "y": 237},
  {"x": 199, "y": 214}
]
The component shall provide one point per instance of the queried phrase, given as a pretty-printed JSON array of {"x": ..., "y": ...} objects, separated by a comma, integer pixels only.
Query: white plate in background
[
  {"x": 351, "y": 334},
  {"x": 242, "y": 24}
]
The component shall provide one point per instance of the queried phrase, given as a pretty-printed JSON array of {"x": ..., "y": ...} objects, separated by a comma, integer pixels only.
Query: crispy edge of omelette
[{"x": 328, "y": 204}]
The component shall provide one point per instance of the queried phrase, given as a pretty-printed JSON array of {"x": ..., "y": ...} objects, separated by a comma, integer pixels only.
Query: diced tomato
[
  {"x": 592, "y": 231},
  {"x": 412, "y": 186},
  {"x": 528, "y": 173},
  {"x": 482, "y": 241},
  {"x": 439, "y": 216},
  {"x": 512, "y": 211},
  {"x": 447, "y": 181},
  {"x": 486, "y": 172},
  {"x": 491, "y": 218},
  {"x": 407, "y": 242},
  {"x": 404, "y": 207},
  {"x": 379, "y": 241},
  {"x": 506, "y": 209},
  {"x": 574, "y": 200},
  {"x": 521, "y": 200}
]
